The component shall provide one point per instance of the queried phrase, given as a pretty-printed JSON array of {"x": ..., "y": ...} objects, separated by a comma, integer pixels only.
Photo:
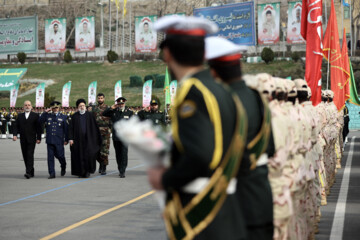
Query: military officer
[
  {"x": 11, "y": 120},
  {"x": 56, "y": 137},
  {"x": 117, "y": 112},
  {"x": 3, "y": 122},
  {"x": 206, "y": 122},
  {"x": 156, "y": 116},
  {"x": 104, "y": 124},
  {"x": 253, "y": 187}
]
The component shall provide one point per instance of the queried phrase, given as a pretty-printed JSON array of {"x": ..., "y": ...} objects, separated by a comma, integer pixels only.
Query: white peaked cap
[
  {"x": 185, "y": 23},
  {"x": 216, "y": 47}
]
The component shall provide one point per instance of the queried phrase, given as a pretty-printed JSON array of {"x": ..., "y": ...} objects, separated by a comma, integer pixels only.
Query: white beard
[{"x": 82, "y": 112}]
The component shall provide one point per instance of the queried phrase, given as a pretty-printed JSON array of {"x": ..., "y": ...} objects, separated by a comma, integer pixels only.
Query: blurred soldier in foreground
[
  {"x": 105, "y": 130},
  {"x": 209, "y": 132},
  {"x": 116, "y": 113},
  {"x": 85, "y": 141},
  {"x": 56, "y": 137},
  {"x": 253, "y": 187},
  {"x": 3, "y": 122}
]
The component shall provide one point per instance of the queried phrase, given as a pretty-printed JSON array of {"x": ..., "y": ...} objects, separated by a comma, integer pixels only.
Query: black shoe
[
  {"x": 122, "y": 175},
  {"x": 103, "y": 170},
  {"x": 51, "y": 177},
  {"x": 27, "y": 176},
  {"x": 63, "y": 171},
  {"x": 100, "y": 168},
  {"x": 32, "y": 173}
]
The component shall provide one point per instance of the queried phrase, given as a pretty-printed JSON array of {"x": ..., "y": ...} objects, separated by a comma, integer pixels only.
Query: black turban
[{"x": 81, "y": 100}]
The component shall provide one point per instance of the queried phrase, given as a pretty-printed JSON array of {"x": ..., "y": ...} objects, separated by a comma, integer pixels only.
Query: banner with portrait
[
  {"x": 18, "y": 35},
  {"x": 173, "y": 87},
  {"x": 294, "y": 23},
  {"x": 66, "y": 94},
  {"x": 55, "y": 35},
  {"x": 40, "y": 93},
  {"x": 147, "y": 91},
  {"x": 117, "y": 89},
  {"x": 92, "y": 93},
  {"x": 145, "y": 36},
  {"x": 85, "y": 34},
  {"x": 13, "y": 94},
  {"x": 268, "y": 23},
  {"x": 236, "y": 21}
]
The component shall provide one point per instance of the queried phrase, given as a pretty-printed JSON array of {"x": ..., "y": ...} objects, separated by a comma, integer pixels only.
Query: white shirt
[{"x": 27, "y": 115}]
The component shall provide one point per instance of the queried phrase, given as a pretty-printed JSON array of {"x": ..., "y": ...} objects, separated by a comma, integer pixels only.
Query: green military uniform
[
  {"x": 12, "y": 119},
  {"x": 157, "y": 117},
  {"x": 207, "y": 127},
  {"x": 253, "y": 189},
  {"x": 104, "y": 124},
  {"x": 121, "y": 150}
]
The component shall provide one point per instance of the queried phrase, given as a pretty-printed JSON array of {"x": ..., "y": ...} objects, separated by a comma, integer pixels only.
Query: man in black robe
[{"x": 85, "y": 141}]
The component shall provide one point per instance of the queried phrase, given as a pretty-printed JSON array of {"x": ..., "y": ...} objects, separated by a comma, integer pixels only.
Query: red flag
[
  {"x": 346, "y": 66},
  {"x": 311, "y": 31},
  {"x": 332, "y": 53}
]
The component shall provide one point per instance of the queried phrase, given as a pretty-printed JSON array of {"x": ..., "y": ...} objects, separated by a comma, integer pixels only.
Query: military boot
[{"x": 103, "y": 170}]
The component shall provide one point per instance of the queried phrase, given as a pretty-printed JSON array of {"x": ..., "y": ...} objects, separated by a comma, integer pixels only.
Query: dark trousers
[
  {"x": 3, "y": 127},
  {"x": 121, "y": 151},
  {"x": 27, "y": 150},
  {"x": 55, "y": 150}
]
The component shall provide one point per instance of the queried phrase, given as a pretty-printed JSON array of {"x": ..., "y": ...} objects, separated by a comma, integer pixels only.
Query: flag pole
[
  {"x": 110, "y": 25},
  {"x": 130, "y": 29},
  {"x": 117, "y": 29},
  {"x": 342, "y": 16},
  {"x": 351, "y": 35},
  {"x": 328, "y": 60},
  {"x": 123, "y": 37}
]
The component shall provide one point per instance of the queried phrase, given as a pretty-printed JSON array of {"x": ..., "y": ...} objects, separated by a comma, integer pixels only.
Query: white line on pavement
[{"x": 339, "y": 216}]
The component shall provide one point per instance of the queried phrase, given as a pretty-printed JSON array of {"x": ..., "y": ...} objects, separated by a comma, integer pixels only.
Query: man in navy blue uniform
[{"x": 56, "y": 137}]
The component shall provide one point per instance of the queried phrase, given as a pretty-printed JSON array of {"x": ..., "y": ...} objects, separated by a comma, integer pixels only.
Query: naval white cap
[
  {"x": 185, "y": 25},
  {"x": 218, "y": 48}
]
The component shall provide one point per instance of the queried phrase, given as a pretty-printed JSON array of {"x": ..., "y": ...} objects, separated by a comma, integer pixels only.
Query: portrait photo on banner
[
  {"x": 55, "y": 35},
  {"x": 85, "y": 34},
  {"x": 145, "y": 36},
  {"x": 294, "y": 23},
  {"x": 268, "y": 23}
]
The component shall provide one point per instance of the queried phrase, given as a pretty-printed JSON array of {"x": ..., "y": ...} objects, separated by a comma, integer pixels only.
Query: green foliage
[
  {"x": 136, "y": 81},
  {"x": 21, "y": 57},
  {"x": 112, "y": 56},
  {"x": 267, "y": 55},
  {"x": 150, "y": 77},
  {"x": 160, "y": 81},
  {"x": 48, "y": 99},
  {"x": 295, "y": 56},
  {"x": 67, "y": 56}
]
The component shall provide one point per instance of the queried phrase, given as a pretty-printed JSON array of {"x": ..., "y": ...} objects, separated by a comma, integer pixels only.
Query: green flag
[
  {"x": 167, "y": 89},
  {"x": 354, "y": 98}
]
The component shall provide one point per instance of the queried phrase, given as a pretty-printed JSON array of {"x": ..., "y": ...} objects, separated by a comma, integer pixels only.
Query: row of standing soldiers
[{"x": 308, "y": 150}]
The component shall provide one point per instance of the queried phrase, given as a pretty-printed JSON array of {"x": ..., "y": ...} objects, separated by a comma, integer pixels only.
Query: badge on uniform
[
  {"x": 60, "y": 119},
  {"x": 49, "y": 119},
  {"x": 187, "y": 109},
  {"x": 157, "y": 121},
  {"x": 126, "y": 116}
]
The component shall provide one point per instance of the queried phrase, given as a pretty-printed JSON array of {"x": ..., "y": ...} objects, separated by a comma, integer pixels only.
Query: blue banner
[{"x": 236, "y": 21}]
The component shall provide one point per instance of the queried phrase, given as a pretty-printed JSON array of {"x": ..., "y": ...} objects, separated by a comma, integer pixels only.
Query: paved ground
[{"x": 99, "y": 207}]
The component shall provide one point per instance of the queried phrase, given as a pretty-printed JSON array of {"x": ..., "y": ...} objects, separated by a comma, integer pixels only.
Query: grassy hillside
[{"x": 107, "y": 75}]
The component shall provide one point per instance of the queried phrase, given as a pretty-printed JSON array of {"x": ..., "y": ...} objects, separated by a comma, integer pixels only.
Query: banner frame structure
[
  {"x": 36, "y": 41},
  {"x": 211, "y": 13}
]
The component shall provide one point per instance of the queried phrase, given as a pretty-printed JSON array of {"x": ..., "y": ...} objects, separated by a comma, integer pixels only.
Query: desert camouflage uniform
[{"x": 104, "y": 124}]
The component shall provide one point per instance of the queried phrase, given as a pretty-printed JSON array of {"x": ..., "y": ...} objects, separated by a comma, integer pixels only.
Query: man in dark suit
[{"x": 27, "y": 125}]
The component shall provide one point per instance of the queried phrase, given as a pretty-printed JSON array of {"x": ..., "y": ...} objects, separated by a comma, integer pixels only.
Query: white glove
[{"x": 9, "y": 123}]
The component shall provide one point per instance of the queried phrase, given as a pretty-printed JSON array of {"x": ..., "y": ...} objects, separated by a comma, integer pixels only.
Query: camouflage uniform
[{"x": 104, "y": 124}]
